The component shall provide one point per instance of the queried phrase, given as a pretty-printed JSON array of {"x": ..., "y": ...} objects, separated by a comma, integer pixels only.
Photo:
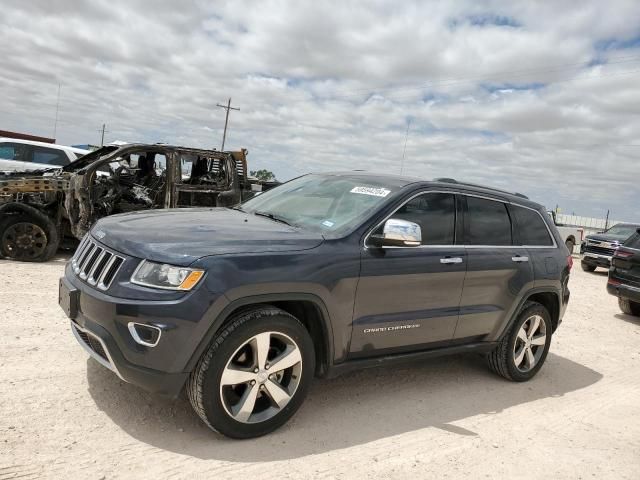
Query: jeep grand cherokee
[{"x": 322, "y": 275}]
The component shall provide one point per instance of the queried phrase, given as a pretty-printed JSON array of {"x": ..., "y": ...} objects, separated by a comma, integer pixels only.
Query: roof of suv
[{"x": 448, "y": 183}]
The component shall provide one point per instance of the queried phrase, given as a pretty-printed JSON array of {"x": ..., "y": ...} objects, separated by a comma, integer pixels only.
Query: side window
[
  {"x": 14, "y": 151},
  {"x": 633, "y": 241},
  {"x": 531, "y": 228},
  {"x": 50, "y": 156},
  {"x": 436, "y": 215},
  {"x": 487, "y": 222}
]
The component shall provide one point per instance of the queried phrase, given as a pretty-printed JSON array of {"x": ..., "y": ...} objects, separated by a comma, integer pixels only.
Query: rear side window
[
  {"x": 487, "y": 222},
  {"x": 50, "y": 156},
  {"x": 531, "y": 228},
  {"x": 436, "y": 215},
  {"x": 14, "y": 151},
  {"x": 634, "y": 241}
]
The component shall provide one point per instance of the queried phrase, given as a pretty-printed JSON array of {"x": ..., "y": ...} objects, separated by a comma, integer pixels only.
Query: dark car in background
[
  {"x": 597, "y": 250},
  {"x": 325, "y": 274},
  {"x": 624, "y": 275}
]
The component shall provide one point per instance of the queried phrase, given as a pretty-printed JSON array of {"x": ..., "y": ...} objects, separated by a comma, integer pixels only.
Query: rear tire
[
  {"x": 587, "y": 267},
  {"x": 237, "y": 387},
  {"x": 629, "y": 307},
  {"x": 28, "y": 238},
  {"x": 523, "y": 350}
]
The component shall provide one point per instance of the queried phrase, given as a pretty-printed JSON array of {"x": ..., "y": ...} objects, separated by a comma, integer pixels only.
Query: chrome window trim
[{"x": 455, "y": 192}]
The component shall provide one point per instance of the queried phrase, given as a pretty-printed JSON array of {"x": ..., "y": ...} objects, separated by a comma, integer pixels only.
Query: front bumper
[{"x": 100, "y": 324}]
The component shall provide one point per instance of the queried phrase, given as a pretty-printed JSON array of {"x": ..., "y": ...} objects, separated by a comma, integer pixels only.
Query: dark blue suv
[{"x": 322, "y": 275}]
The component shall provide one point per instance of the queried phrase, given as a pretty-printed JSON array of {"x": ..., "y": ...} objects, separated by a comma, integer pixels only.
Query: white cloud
[{"x": 539, "y": 98}]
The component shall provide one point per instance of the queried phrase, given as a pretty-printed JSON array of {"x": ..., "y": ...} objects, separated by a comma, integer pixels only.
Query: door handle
[
  {"x": 518, "y": 258},
  {"x": 451, "y": 260}
]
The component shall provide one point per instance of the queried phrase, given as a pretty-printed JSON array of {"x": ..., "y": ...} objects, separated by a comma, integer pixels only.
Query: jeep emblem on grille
[{"x": 100, "y": 234}]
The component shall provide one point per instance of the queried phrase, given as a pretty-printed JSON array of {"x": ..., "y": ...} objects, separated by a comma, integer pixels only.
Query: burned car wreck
[{"x": 39, "y": 210}]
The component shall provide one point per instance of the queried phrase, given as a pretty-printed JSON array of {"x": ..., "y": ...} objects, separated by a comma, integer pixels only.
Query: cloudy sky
[{"x": 537, "y": 97}]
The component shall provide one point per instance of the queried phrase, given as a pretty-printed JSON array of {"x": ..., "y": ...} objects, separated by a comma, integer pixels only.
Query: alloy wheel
[
  {"x": 261, "y": 377},
  {"x": 530, "y": 342}
]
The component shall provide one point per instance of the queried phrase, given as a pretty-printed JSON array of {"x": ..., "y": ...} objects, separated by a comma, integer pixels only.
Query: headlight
[{"x": 168, "y": 277}]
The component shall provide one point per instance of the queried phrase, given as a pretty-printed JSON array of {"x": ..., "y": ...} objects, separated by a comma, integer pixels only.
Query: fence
[{"x": 590, "y": 225}]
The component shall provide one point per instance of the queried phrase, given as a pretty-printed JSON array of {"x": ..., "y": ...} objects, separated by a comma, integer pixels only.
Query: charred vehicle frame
[{"x": 39, "y": 210}]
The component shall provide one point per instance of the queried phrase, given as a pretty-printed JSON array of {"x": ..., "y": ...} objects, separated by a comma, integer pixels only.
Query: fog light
[{"x": 147, "y": 335}]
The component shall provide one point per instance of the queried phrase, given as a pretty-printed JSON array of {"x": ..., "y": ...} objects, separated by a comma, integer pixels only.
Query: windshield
[
  {"x": 322, "y": 203},
  {"x": 622, "y": 230}
]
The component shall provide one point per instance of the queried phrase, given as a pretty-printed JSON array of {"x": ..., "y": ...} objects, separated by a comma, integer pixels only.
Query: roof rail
[{"x": 453, "y": 180}]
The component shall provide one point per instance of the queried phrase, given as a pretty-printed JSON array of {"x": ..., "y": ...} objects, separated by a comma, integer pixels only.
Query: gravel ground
[{"x": 64, "y": 416}]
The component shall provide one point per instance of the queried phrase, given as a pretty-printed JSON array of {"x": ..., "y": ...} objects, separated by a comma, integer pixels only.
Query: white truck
[{"x": 572, "y": 236}]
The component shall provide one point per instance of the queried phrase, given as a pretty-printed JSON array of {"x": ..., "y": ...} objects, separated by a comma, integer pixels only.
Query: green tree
[{"x": 263, "y": 175}]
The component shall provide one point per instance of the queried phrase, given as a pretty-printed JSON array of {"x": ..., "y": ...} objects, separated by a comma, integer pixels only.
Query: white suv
[{"x": 25, "y": 155}]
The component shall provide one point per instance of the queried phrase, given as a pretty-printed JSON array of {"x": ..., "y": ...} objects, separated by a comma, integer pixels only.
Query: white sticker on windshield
[
  {"x": 376, "y": 192},
  {"x": 328, "y": 223}
]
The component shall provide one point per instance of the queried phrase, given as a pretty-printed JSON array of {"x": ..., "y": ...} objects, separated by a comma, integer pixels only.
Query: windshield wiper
[{"x": 272, "y": 217}]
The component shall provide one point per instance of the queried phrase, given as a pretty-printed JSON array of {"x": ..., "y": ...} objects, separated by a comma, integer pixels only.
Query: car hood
[
  {"x": 181, "y": 236},
  {"x": 604, "y": 237}
]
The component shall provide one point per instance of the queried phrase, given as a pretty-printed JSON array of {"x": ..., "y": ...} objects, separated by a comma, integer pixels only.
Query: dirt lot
[{"x": 64, "y": 416}]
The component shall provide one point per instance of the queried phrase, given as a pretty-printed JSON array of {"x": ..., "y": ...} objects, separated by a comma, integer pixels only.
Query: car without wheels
[
  {"x": 325, "y": 274},
  {"x": 624, "y": 275}
]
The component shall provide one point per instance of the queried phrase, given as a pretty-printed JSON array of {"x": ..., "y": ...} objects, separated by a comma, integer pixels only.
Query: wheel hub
[{"x": 25, "y": 241}]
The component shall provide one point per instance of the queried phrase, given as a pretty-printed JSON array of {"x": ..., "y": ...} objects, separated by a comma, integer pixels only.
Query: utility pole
[
  {"x": 406, "y": 136},
  {"x": 55, "y": 123},
  {"x": 102, "y": 136},
  {"x": 606, "y": 222},
  {"x": 227, "y": 107}
]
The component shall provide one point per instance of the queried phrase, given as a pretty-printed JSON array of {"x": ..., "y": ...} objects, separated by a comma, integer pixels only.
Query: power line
[{"x": 227, "y": 107}]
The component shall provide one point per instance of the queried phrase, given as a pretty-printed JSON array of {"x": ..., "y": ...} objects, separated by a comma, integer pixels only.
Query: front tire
[
  {"x": 523, "y": 350},
  {"x": 629, "y": 307},
  {"x": 28, "y": 238},
  {"x": 587, "y": 267},
  {"x": 255, "y": 375}
]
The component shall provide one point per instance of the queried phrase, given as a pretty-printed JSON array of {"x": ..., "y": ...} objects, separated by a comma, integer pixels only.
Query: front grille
[
  {"x": 95, "y": 264},
  {"x": 598, "y": 250},
  {"x": 92, "y": 343}
]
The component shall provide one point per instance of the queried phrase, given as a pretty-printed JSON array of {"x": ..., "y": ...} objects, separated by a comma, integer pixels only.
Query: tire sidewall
[
  {"x": 514, "y": 372},
  {"x": 587, "y": 267},
  {"x": 214, "y": 410}
]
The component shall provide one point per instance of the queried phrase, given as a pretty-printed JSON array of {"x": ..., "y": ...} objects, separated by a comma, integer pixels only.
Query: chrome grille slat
[
  {"x": 95, "y": 264},
  {"x": 105, "y": 270},
  {"x": 86, "y": 256},
  {"x": 91, "y": 259}
]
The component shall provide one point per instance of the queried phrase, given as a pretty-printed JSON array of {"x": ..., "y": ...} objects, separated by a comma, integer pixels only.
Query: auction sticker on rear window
[{"x": 376, "y": 192}]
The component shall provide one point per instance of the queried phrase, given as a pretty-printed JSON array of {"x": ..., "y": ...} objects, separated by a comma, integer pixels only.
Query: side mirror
[{"x": 398, "y": 233}]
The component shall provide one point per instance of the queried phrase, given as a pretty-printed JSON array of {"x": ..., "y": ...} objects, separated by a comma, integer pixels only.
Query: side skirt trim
[{"x": 352, "y": 365}]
